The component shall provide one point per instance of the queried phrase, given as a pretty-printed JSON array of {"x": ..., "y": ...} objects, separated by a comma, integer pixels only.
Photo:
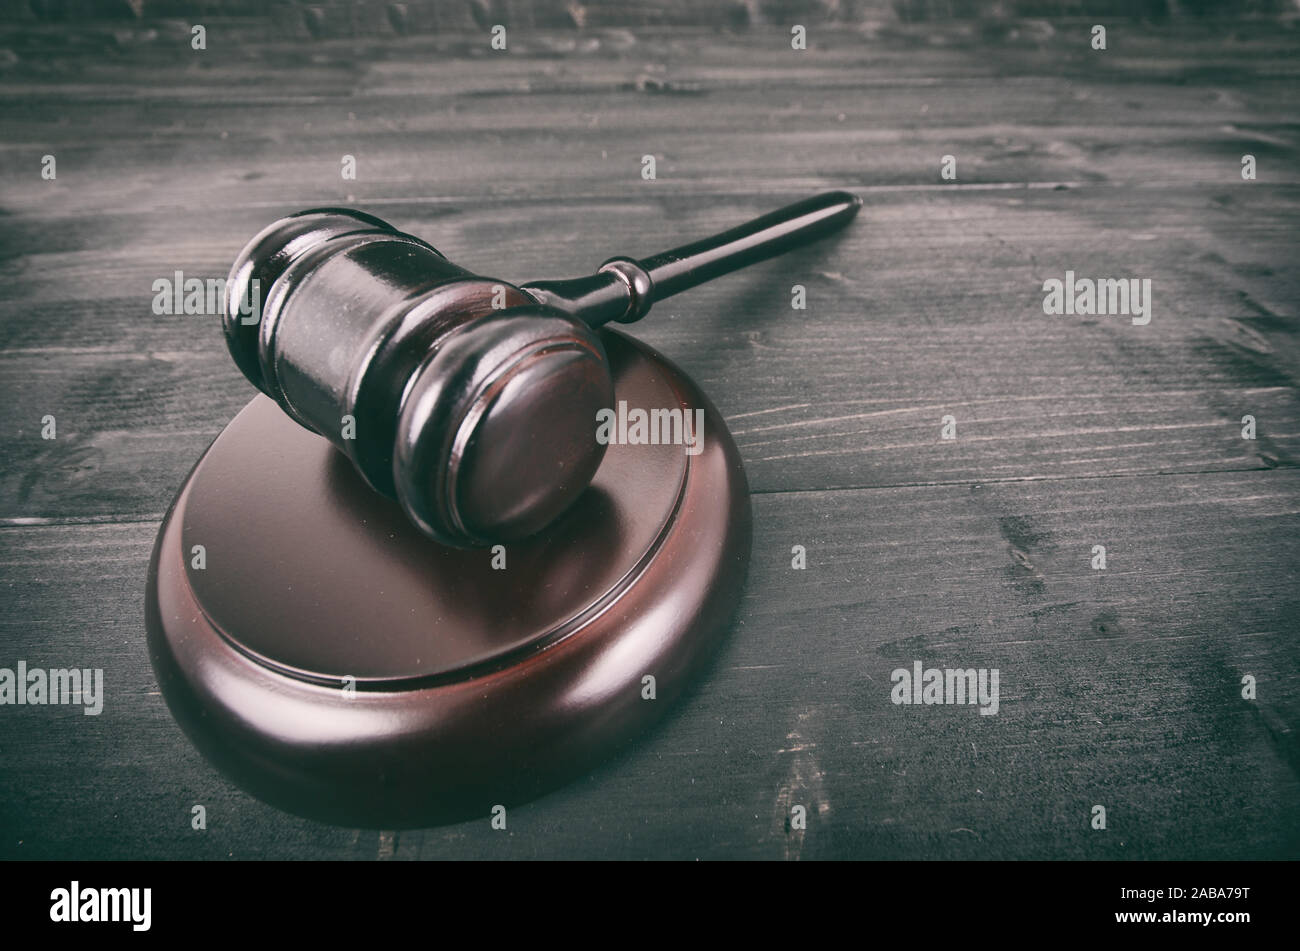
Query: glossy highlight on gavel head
[{"x": 471, "y": 401}]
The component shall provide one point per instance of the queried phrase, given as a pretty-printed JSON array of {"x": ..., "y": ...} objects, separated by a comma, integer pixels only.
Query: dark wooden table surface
[{"x": 1119, "y": 687}]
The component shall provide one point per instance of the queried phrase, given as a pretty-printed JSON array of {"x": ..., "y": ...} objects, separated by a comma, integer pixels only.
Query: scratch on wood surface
[
  {"x": 804, "y": 786},
  {"x": 774, "y": 409}
]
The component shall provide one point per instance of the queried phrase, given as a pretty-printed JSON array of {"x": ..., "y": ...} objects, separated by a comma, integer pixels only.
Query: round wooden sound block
[{"x": 340, "y": 665}]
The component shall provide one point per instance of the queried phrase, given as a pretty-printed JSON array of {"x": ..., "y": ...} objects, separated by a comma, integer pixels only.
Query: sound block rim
[{"x": 397, "y": 756}]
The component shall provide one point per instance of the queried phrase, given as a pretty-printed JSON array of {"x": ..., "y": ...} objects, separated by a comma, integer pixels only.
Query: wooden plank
[
  {"x": 537, "y": 127},
  {"x": 1118, "y": 687},
  {"x": 929, "y": 306}
]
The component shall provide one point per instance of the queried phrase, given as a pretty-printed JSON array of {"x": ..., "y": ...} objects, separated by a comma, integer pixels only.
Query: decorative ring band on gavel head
[{"x": 471, "y": 401}]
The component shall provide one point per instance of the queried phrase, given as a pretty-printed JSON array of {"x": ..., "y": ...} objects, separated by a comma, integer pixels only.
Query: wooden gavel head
[
  {"x": 477, "y": 419},
  {"x": 473, "y": 402}
]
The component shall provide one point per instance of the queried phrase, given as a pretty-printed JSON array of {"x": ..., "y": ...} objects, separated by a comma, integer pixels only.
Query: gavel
[{"x": 470, "y": 401}]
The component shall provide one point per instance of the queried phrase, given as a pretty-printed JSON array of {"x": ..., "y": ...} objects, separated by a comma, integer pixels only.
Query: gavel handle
[{"x": 623, "y": 289}]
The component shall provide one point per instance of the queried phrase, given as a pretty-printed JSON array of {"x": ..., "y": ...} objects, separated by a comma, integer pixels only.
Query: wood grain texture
[{"x": 1120, "y": 687}]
